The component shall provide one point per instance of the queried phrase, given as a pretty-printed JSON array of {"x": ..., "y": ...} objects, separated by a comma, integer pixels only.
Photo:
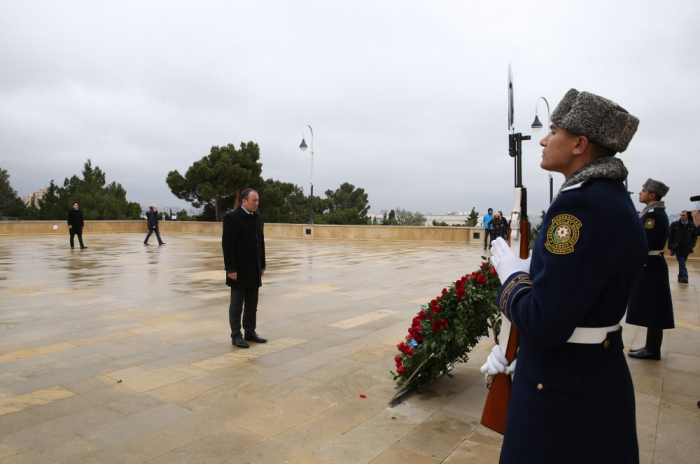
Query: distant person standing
[
  {"x": 487, "y": 220},
  {"x": 75, "y": 225},
  {"x": 153, "y": 225},
  {"x": 681, "y": 242},
  {"x": 651, "y": 305},
  {"x": 498, "y": 227},
  {"x": 243, "y": 244}
]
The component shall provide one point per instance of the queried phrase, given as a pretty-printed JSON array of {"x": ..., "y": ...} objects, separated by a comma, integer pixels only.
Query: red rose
[
  {"x": 418, "y": 337},
  {"x": 409, "y": 351},
  {"x": 484, "y": 265},
  {"x": 481, "y": 279},
  {"x": 437, "y": 325},
  {"x": 401, "y": 370},
  {"x": 397, "y": 359},
  {"x": 493, "y": 271},
  {"x": 444, "y": 324},
  {"x": 460, "y": 293},
  {"x": 435, "y": 309},
  {"x": 421, "y": 315},
  {"x": 444, "y": 290},
  {"x": 433, "y": 302},
  {"x": 416, "y": 321},
  {"x": 398, "y": 364}
]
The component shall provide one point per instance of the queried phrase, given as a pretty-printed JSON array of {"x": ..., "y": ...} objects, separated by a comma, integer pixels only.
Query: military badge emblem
[
  {"x": 563, "y": 234},
  {"x": 649, "y": 223}
]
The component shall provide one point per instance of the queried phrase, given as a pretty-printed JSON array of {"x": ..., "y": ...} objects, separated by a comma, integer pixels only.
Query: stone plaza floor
[{"x": 121, "y": 353}]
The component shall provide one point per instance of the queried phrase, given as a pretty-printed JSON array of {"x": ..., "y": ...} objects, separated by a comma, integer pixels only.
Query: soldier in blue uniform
[
  {"x": 651, "y": 304},
  {"x": 572, "y": 399}
]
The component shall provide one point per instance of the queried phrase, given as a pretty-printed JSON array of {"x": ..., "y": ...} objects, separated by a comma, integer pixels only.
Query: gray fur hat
[
  {"x": 656, "y": 187},
  {"x": 600, "y": 120}
]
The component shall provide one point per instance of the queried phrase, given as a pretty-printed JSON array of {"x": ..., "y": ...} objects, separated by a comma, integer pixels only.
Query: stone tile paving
[{"x": 121, "y": 354}]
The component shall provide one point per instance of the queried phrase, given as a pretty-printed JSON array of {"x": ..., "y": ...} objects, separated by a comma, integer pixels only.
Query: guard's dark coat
[
  {"x": 651, "y": 304},
  {"x": 574, "y": 403},
  {"x": 243, "y": 243}
]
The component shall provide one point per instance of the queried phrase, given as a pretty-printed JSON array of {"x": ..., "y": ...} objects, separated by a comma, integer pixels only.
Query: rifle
[{"x": 496, "y": 406}]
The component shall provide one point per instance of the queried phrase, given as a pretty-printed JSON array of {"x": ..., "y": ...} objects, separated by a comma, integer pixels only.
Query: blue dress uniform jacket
[
  {"x": 243, "y": 243},
  {"x": 651, "y": 304},
  {"x": 574, "y": 403}
]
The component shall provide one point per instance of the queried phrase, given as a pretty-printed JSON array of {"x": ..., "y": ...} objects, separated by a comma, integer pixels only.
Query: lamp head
[
  {"x": 303, "y": 145},
  {"x": 536, "y": 125}
]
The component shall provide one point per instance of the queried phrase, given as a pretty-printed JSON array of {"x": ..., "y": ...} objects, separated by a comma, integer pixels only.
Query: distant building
[{"x": 33, "y": 198}]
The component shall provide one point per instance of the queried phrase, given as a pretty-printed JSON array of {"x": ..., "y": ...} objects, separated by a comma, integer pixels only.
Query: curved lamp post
[
  {"x": 303, "y": 146},
  {"x": 537, "y": 126}
]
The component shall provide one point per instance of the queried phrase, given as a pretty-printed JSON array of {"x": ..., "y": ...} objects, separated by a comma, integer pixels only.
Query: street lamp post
[
  {"x": 302, "y": 146},
  {"x": 537, "y": 126}
]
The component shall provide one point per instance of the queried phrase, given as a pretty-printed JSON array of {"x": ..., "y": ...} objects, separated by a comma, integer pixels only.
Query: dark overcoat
[
  {"x": 75, "y": 219},
  {"x": 651, "y": 304},
  {"x": 152, "y": 219},
  {"x": 574, "y": 403},
  {"x": 243, "y": 244}
]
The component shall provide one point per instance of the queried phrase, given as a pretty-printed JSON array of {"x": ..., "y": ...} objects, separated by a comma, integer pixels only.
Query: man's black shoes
[
  {"x": 683, "y": 280},
  {"x": 253, "y": 337},
  {"x": 240, "y": 343},
  {"x": 644, "y": 353}
]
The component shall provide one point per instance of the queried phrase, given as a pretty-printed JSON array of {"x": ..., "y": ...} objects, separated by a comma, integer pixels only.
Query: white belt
[
  {"x": 656, "y": 252},
  {"x": 591, "y": 335}
]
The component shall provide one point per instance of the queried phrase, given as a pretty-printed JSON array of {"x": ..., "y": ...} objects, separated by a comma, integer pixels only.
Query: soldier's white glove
[
  {"x": 506, "y": 261},
  {"x": 496, "y": 363}
]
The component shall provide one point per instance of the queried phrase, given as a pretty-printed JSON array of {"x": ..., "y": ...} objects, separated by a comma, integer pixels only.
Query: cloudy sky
[{"x": 407, "y": 99}]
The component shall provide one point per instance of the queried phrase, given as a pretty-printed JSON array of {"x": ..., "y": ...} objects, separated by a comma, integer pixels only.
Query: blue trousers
[
  {"x": 682, "y": 270},
  {"x": 150, "y": 231}
]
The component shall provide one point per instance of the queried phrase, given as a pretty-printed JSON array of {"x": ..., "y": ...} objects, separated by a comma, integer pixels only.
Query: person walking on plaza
[
  {"x": 75, "y": 225},
  {"x": 152, "y": 217},
  {"x": 243, "y": 244},
  {"x": 487, "y": 221},
  {"x": 681, "y": 242},
  {"x": 572, "y": 398},
  {"x": 651, "y": 305}
]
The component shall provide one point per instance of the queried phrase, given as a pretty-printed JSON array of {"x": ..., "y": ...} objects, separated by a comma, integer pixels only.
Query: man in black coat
[
  {"x": 243, "y": 244},
  {"x": 75, "y": 225},
  {"x": 153, "y": 225},
  {"x": 681, "y": 242}
]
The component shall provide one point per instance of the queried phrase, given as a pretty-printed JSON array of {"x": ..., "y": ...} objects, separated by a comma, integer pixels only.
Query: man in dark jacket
[
  {"x": 243, "y": 244},
  {"x": 153, "y": 225},
  {"x": 681, "y": 242},
  {"x": 651, "y": 305},
  {"x": 75, "y": 225},
  {"x": 498, "y": 226}
]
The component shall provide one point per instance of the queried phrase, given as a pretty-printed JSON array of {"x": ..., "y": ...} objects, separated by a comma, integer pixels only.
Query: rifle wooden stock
[{"x": 498, "y": 399}]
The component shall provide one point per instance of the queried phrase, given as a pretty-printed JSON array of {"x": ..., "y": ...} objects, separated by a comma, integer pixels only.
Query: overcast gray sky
[{"x": 407, "y": 99}]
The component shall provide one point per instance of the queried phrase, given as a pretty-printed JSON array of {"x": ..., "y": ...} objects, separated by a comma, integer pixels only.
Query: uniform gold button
[
  {"x": 606, "y": 343},
  {"x": 540, "y": 386}
]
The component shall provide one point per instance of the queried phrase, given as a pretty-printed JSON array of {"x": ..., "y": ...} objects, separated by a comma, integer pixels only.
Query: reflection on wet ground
[{"x": 121, "y": 353}]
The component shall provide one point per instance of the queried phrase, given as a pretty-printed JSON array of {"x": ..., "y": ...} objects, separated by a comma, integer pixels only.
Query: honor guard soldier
[
  {"x": 651, "y": 304},
  {"x": 572, "y": 399}
]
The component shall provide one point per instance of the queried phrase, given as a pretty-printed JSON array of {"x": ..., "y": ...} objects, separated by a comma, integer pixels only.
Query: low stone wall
[{"x": 299, "y": 231}]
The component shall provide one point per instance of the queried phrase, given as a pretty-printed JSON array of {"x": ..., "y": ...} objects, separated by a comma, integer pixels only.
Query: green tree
[
  {"x": 283, "y": 202},
  {"x": 218, "y": 177},
  {"x": 407, "y": 218},
  {"x": 11, "y": 204},
  {"x": 346, "y": 205},
  {"x": 389, "y": 219},
  {"x": 97, "y": 199},
  {"x": 472, "y": 218},
  {"x": 51, "y": 205}
]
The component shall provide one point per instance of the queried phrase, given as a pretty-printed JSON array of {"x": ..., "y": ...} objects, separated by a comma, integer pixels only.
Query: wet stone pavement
[{"x": 121, "y": 353}]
